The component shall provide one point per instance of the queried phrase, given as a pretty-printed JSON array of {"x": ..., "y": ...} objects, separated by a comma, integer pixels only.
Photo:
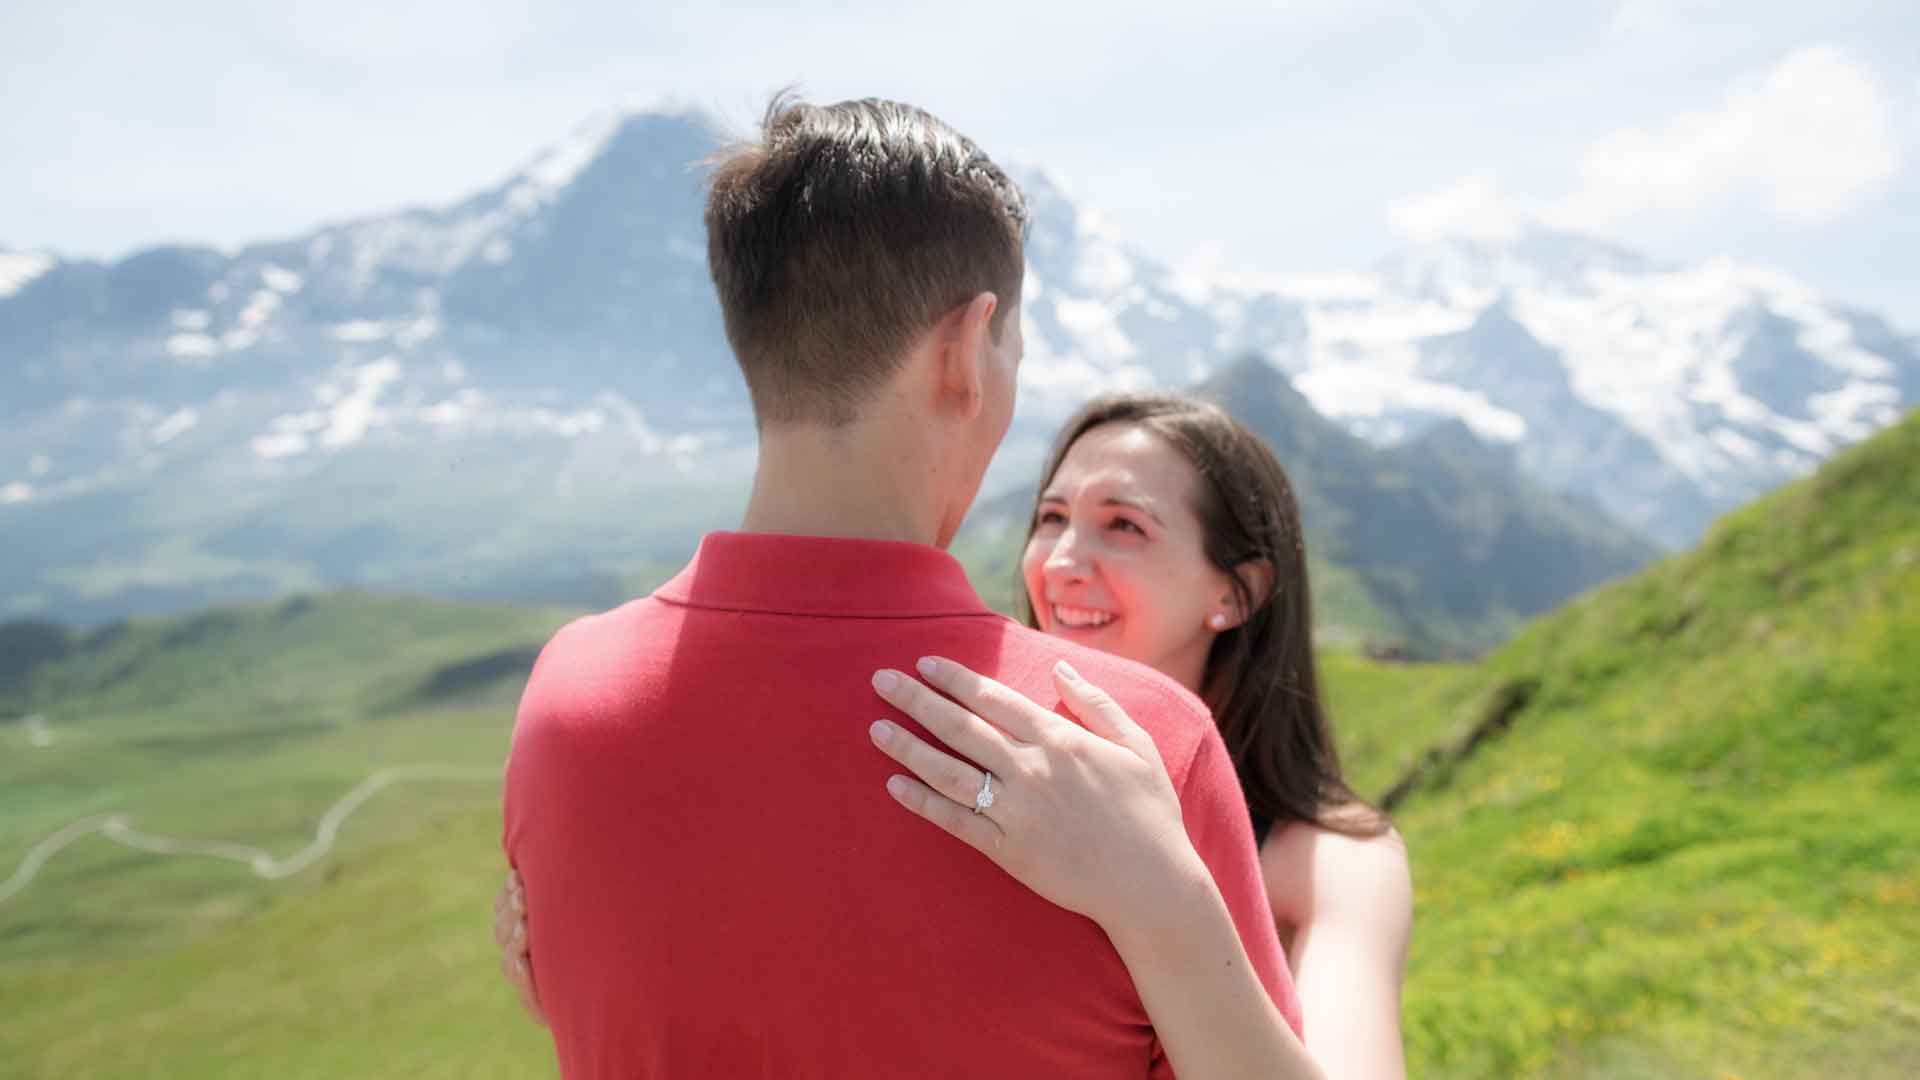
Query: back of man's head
[{"x": 842, "y": 234}]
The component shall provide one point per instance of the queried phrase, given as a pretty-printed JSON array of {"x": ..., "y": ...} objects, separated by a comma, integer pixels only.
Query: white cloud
[
  {"x": 1652, "y": 16},
  {"x": 1640, "y": 16},
  {"x": 1808, "y": 139},
  {"x": 1474, "y": 207}
]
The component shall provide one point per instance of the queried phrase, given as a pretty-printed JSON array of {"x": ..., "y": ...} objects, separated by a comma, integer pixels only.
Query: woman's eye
[
  {"x": 1050, "y": 517},
  {"x": 1128, "y": 525}
]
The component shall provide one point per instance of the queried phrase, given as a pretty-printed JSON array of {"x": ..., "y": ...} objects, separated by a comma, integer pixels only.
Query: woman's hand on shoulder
[
  {"x": 516, "y": 952},
  {"x": 1083, "y": 815}
]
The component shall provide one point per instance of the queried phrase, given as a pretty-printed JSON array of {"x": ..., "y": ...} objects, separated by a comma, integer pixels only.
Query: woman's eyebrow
[
  {"x": 1134, "y": 504},
  {"x": 1142, "y": 505}
]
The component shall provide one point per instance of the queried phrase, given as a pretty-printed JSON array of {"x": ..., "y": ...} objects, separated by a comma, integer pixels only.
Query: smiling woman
[
  {"x": 1117, "y": 560},
  {"x": 1166, "y": 532}
]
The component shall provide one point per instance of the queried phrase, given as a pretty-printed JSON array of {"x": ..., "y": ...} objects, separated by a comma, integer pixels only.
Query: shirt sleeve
[{"x": 1217, "y": 822}]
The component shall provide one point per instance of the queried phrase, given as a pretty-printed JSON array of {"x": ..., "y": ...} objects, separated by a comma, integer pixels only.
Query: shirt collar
[{"x": 817, "y": 575}]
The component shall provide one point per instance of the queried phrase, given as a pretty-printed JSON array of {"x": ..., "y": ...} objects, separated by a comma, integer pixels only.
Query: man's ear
[
  {"x": 962, "y": 340},
  {"x": 1257, "y": 576}
]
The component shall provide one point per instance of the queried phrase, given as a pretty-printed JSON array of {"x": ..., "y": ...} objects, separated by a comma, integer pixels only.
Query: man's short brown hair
[{"x": 843, "y": 233}]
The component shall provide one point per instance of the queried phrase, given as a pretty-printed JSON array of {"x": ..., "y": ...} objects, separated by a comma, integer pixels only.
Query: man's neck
[{"x": 846, "y": 483}]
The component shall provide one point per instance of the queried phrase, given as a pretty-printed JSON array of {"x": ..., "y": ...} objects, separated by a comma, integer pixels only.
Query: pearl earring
[{"x": 1217, "y": 620}]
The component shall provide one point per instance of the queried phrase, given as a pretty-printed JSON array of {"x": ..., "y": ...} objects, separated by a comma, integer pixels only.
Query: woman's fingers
[
  {"x": 948, "y": 722},
  {"x": 940, "y": 771},
  {"x": 505, "y": 912},
  {"x": 976, "y": 830},
  {"x": 1100, "y": 714},
  {"x": 1005, "y": 708},
  {"x": 510, "y": 934},
  {"x": 522, "y": 978}
]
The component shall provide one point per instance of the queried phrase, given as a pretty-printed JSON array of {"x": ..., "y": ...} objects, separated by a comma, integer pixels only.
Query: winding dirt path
[{"x": 263, "y": 863}]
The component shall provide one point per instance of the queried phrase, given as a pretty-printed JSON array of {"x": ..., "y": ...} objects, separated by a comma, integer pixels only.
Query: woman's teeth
[{"x": 1081, "y": 617}]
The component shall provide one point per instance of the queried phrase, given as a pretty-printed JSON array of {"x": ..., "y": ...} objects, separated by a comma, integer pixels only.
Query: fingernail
[
  {"x": 929, "y": 667},
  {"x": 881, "y": 732},
  {"x": 885, "y": 681},
  {"x": 1066, "y": 671},
  {"x": 897, "y": 786}
]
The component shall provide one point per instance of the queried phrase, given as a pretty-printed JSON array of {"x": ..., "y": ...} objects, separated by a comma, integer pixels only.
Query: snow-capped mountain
[
  {"x": 558, "y": 328},
  {"x": 1668, "y": 393}
]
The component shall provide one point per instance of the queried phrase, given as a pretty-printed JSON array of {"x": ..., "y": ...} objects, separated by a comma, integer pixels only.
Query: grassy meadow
[{"x": 1666, "y": 831}]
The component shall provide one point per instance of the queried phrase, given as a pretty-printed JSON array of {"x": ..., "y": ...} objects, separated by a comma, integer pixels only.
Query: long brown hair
[{"x": 1260, "y": 681}]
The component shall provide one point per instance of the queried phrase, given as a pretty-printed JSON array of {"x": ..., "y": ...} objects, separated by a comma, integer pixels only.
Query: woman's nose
[{"x": 1067, "y": 560}]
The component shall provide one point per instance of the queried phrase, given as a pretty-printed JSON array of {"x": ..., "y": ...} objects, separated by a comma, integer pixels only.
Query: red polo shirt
[{"x": 720, "y": 886}]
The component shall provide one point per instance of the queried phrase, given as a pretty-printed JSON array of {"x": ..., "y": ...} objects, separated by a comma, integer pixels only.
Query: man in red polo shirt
[{"x": 721, "y": 885}]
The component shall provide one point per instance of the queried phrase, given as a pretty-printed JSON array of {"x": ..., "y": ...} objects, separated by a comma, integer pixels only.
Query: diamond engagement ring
[{"x": 985, "y": 798}]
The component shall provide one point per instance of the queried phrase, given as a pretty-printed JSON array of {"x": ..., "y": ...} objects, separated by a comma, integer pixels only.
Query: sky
[{"x": 1280, "y": 140}]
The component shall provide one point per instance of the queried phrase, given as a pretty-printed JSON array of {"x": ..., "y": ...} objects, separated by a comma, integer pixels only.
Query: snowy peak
[
  {"x": 18, "y": 268},
  {"x": 1670, "y": 393},
  {"x": 1463, "y": 272}
]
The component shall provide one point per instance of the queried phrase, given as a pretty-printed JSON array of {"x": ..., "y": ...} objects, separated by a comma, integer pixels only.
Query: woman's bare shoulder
[{"x": 1312, "y": 870}]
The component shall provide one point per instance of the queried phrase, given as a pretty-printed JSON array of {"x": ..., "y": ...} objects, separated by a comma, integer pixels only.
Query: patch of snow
[
  {"x": 191, "y": 346},
  {"x": 356, "y": 412},
  {"x": 1794, "y": 464},
  {"x": 1648, "y": 347},
  {"x": 417, "y": 331},
  {"x": 260, "y": 307},
  {"x": 1095, "y": 325},
  {"x": 1827, "y": 336},
  {"x": 360, "y": 330},
  {"x": 572, "y": 424},
  {"x": 345, "y": 416},
  {"x": 175, "y": 426},
  {"x": 1324, "y": 288},
  {"x": 17, "y": 268},
  {"x": 1160, "y": 309},
  {"x": 557, "y": 166},
  {"x": 278, "y": 444},
  {"x": 1102, "y": 266},
  {"x": 455, "y": 410},
  {"x": 1350, "y": 391},
  {"x": 1398, "y": 322},
  {"x": 1737, "y": 446},
  {"x": 1856, "y": 410},
  {"x": 280, "y": 279}
]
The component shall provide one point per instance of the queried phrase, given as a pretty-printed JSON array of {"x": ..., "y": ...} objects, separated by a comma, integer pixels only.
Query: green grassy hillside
[
  {"x": 1672, "y": 829},
  {"x": 1667, "y": 831}
]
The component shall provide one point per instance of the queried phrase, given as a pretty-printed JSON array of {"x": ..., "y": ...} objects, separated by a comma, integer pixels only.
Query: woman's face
[{"x": 1117, "y": 559}]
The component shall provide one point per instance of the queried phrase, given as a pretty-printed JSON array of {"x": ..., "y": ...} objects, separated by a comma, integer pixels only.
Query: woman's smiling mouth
[{"x": 1076, "y": 618}]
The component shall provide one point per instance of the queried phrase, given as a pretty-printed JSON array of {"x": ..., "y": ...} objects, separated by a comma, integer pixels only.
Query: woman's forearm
[{"x": 1207, "y": 1004}]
